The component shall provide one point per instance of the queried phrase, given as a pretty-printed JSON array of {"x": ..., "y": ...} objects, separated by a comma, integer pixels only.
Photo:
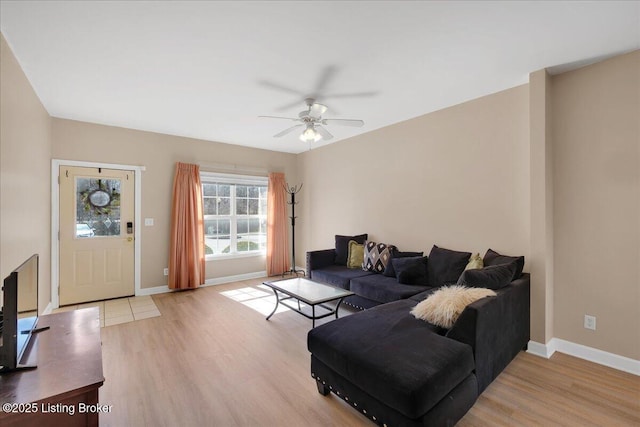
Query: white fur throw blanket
[{"x": 443, "y": 307}]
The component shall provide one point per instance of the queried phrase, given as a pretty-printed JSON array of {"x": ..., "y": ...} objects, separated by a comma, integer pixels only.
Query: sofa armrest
[
  {"x": 320, "y": 259},
  {"x": 496, "y": 328}
]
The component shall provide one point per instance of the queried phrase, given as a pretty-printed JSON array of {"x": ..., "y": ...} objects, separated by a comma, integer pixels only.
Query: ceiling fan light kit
[
  {"x": 310, "y": 134},
  {"x": 312, "y": 121}
]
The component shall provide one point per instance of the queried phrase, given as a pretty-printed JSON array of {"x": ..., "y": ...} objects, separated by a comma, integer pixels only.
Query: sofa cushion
[
  {"x": 446, "y": 266},
  {"x": 396, "y": 358},
  {"x": 423, "y": 295},
  {"x": 342, "y": 246},
  {"x": 492, "y": 277},
  {"x": 443, "y": 307},
  {"x": 412, "y": 271},
  {"x": 390, "y": 271},
  {"x": 337, "y": 275},
  {"x": 376, "y": 256},
  {"x": 494, "y": 258},
  {"x": 356, "y": 254},
  {"x": 383, "y": 289}
]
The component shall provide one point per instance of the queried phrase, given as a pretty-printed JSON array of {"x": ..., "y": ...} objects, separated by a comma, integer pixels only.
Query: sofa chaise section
[{"x": 394, "y": 368}]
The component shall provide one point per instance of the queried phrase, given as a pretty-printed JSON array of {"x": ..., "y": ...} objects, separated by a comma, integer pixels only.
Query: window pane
[
  {"x": 209, "y": 205},
  {"x": 217, "y": 239},
  {"x": 254, "y": 192},
  {"x": 263, "y": 192},
  {"x": 254, "y": 225},
  {"x": 209, "y": 189},
  {"x": 224, "y": 227},
  {"x": 254, "y": 204},
  {"x": 224, "y": 190},
  {"x": 224, "y": 206},
  {"x": 263, "y": 207},
  {"x": 241, "y": 206},
  {"x": 241, "y": 190},
  {"x": 243, "y": 226},
  {"x": 210, "y": 227}
]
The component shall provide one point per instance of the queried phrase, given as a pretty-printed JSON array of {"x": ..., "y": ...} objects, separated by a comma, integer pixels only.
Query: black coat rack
[{"x": 292, "y": 192}]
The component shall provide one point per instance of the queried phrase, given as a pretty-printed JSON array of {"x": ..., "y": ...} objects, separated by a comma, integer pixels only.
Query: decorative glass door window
[{"x": 97, "y": 207}]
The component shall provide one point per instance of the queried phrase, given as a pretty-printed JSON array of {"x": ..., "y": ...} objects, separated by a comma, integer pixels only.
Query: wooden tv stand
[{"x": 69, "y": 373}]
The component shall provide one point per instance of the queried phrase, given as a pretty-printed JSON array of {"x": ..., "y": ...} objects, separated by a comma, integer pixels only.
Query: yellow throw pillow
[
  {"x": 475, "y": 263},
  {"x": 356, "y": 255}
]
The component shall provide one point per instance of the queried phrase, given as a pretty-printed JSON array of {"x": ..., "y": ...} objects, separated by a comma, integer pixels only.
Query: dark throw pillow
[
  {"x": 492, "y": 277},
  {"x": 494, "y": 258},
  {"x": 342, "y": 246},
  {"x": 390, "y": 271},
  {"x": 446, "y": 266},
  {"x": 411, "y": 270}
]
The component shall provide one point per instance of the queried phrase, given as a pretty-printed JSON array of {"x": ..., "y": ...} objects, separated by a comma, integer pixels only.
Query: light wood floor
[{"x": 211, "y": 359}]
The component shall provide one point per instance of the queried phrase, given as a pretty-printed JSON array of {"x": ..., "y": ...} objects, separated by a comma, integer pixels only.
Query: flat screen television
[{"x": 19, "y": 314}]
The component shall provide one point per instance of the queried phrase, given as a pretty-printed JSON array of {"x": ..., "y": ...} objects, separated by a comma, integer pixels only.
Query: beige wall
[
  {"x": 25, "y": 181},
  {"x": 458, "y": 178},
  {"x": 596, "y": 114},
  {"x": 541, "y": 184},
  {"x": 158, "y": 153}
]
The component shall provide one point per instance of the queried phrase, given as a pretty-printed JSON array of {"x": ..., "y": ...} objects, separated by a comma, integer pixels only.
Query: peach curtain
[
  {"x": 277, "y": 226},
  {"x": 186, "y": 254}
]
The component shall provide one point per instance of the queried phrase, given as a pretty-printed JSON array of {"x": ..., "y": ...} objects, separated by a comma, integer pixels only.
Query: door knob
[{"x": 129, "y": 239}]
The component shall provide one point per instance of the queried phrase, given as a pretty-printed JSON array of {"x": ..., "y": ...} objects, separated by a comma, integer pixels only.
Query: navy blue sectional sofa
[
  {"x": 370, "y": 288},
  {"x": 401, "y": 371}
]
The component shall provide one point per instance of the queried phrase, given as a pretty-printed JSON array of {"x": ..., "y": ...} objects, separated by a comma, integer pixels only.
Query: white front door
[{"x": 96, "y": 234}]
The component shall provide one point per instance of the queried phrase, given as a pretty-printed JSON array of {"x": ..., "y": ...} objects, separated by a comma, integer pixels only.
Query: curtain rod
[{"x": 233, "y": 168}]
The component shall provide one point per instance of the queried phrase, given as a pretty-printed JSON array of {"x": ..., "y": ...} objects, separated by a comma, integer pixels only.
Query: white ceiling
[{"x": 207, "y": 69}]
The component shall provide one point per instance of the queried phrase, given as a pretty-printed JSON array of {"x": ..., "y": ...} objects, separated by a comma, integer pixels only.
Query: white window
[{"x": 235, "y": 214}]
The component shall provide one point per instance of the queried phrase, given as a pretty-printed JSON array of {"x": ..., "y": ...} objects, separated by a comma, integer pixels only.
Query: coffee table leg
[
  {"x": 338, "y": 306},
  {"x": 276, "y": 307},
  {"x": 313, "y": 316}
]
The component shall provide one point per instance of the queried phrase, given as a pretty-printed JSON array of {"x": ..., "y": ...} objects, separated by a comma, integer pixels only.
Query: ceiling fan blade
[
  {"x": 286, "y": 131},
  {"x": 344, "y": 122},
  {"x": 324, "y": 78},
  {"x": 278, "y": 117},
  {"x": 351, "y": 95},
  {"x": 280, "y": 87},
  {"x": 317, "y": 110},
  {"x": 323, "y": 132},
  {"x": 288, "y": 106}
]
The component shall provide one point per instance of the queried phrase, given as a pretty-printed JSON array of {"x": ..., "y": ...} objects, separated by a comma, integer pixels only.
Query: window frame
[{"x": 233, "y": 180}]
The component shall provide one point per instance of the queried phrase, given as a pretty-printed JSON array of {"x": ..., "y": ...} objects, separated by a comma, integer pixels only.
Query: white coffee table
[{"x": 309, "y": 292}]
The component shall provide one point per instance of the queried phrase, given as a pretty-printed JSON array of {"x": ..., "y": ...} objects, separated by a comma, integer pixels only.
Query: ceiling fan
[{"x": 312, "y": 124}]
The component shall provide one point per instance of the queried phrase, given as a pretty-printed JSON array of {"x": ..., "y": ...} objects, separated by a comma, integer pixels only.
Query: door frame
[{"x": 55, "y": 219}]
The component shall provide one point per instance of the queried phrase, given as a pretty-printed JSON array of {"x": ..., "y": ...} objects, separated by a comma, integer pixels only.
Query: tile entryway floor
[{"x": 121, "y": 310}]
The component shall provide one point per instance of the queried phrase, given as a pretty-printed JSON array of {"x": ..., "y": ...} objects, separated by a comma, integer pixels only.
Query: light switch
[{"x": 148, "y": 222}]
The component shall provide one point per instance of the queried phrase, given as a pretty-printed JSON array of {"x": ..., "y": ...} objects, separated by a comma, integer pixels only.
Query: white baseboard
[
  {"x": 208, "y": 282},
  {"x": 153, "y": 291},
  {"x": 600, "y": 357},
  {"x": 538, "y": 349},
  {"x": 48, "y": 309},
  {"x": 236, "y": 278}
]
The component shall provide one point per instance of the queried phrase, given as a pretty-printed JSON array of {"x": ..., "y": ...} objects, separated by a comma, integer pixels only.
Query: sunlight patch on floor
[{"x": 259, "y": 298}]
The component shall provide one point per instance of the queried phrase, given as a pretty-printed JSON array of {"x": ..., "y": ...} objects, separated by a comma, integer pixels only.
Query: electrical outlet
[
  {"x": 590, "y": 322},
  {"x": 166, "y": 273}
]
